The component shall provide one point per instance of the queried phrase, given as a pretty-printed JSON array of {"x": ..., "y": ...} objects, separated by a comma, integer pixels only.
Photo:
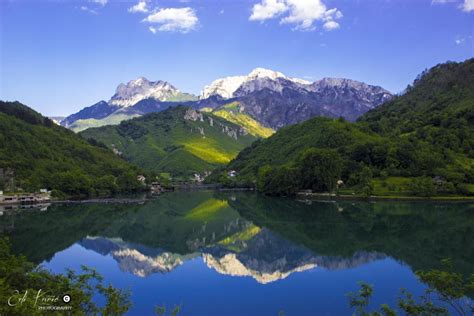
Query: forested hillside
[{"x": 40, "y": 154}]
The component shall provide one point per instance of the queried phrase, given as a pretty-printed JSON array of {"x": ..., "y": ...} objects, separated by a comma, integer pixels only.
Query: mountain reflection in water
[
  {"x": 266, "y": 257},
  {"x": 247, "y": 235}
]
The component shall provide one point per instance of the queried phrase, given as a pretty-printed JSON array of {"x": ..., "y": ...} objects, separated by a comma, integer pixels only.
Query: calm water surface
[{"x": 243, "y": 254}]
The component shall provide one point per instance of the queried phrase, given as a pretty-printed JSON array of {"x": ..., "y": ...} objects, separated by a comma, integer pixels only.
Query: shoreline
[
  {"x": 102, "y": 200},
  {"x": 383, "y": 198},
  {"x": 302, "y": 196}
]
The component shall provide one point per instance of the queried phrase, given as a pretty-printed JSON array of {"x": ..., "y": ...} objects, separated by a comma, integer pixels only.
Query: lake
[{"x": 237, "y": 253}]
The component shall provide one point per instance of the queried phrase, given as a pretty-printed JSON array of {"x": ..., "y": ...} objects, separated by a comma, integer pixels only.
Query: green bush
[{"x": 18, "y": 276}]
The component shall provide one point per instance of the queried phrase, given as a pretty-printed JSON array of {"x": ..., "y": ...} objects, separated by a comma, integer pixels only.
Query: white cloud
[
  {"x": 139, "y": 7},
  {"x": 459, "y": 40},
  {"x": 267, "y": 9},
  {"x": 333, "y": 14},
  {"x": 152, "y": 29},
  {"x": 331, "y": 25},
  {"x": 301, "y": 13},
  {"x": 441, "y": 1},
  {"x": 468, "y": 5},
  {"x": 101, "y": 2},
  {"x": 174, "y": 19},
  {"x": 88, "y": 10}
]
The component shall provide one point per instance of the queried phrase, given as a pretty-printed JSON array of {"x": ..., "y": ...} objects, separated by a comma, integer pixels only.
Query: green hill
[
  {"x": 421, "y": 142},
  {"x": 232, "y": 113},
  {"x": 179, "y": 140},
  {"x": 41, "y": 154},
  {"x": 437, "y": 109}
]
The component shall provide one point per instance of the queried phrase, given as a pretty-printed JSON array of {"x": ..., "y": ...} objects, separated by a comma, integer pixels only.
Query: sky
[{"x": 58, "y": 56}]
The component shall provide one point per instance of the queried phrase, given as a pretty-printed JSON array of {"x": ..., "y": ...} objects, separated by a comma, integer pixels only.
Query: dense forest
[
  {"x": 421, "y": 142},
  {"x": 35, "y": 153}
]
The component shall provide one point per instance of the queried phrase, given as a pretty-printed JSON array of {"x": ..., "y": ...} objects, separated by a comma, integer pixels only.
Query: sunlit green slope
[
  {"x": 179, "y": 140},
  {"x": 232, "y": 113}
]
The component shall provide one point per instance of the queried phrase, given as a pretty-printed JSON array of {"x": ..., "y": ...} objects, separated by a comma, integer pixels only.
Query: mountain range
[{"x": 268, "y": 97}]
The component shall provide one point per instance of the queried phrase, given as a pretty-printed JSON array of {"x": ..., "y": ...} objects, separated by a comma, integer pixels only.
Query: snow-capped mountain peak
[
  {"x": 258, "y": 78},
  {"x": 300, "y": 81},
  {"x": 224, "y": 87},
  {"x": 139, "y": 81},
  {"x": 258, "y": 73},
  {"x": 141, "y": 88}
]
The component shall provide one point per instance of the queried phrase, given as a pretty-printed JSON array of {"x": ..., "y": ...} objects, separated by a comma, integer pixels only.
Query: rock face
[
  {"x": 140, "y": 89},
  {"x": 348, "y": 98},
  {"x": 194, "y": 115}
]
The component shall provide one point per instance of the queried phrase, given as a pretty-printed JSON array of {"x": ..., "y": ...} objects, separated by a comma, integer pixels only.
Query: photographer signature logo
[{"x": 41, "y": 299}]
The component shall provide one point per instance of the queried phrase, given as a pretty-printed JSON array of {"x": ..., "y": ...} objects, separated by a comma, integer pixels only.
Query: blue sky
[{"x": 60, "y": 56}]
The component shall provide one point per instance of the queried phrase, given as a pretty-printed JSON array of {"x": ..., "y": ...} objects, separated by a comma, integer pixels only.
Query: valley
[
  {"x": 415, "y": 144},
  {"x": 257, "y": 158},
  {"x": 180, "y": 141}
]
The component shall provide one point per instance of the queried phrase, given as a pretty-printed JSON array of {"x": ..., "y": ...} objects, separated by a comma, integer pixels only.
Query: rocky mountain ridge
[{"x": 269, "y": 97}]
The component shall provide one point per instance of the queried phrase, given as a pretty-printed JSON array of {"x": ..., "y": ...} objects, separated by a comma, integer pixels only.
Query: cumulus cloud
[
  {"x": 152, "y": 29},
  {"x": 139, "y": 7},
  {"x": 331, "y": 25},
  {"x": 468, "y": 5},
  {"x": 267, "y": 9},
  {"x": 302, "y": 14},
  {"x": 173, "y": 19}
]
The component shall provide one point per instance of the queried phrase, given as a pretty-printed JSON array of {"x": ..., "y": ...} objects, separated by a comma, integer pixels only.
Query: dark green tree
[{"x": 319, "y": 169}]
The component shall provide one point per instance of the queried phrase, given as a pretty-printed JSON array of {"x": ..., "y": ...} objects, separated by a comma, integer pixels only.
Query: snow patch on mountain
[
  {"x": 224, "y": 87},
  {"x": 257, "y": 79},
  {"x": 139, "y": 89}
]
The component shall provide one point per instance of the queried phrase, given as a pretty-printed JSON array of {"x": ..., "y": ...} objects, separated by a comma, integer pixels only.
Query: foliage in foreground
[
  {"x": 446, "y": 294},
  {"x": 30, "y": 289}
]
